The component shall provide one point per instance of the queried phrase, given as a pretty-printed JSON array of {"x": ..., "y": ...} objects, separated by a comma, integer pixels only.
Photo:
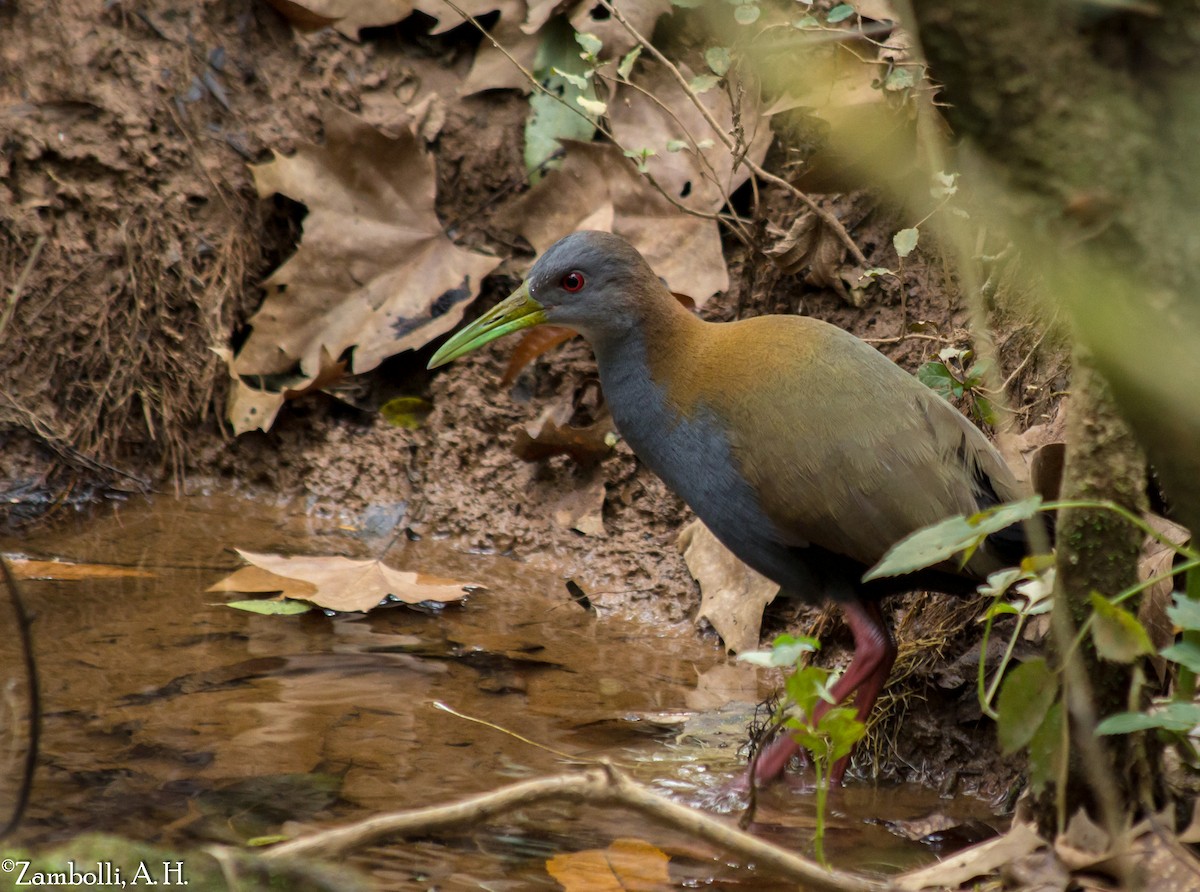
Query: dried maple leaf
[
  {"x": 375, "y": 273},
  {"x": 732, "y": 596},
  {"x": 656, "y": 113},
  {"x": 597, "y": 187},
  {"x": 339, "y": 583}
]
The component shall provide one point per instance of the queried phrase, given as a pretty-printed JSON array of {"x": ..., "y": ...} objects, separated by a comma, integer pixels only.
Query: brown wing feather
[{"x": 848, "y": 451}]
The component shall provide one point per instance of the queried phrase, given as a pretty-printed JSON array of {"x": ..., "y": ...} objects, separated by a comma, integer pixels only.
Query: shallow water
[{"x": 170, "y": 718}]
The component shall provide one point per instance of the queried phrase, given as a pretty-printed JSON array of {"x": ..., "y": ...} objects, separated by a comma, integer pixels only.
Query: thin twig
[
  {"x": 603, "y": 785},
  {"x": 19, "y": 286},
  {"x": 438, "y": 704}
]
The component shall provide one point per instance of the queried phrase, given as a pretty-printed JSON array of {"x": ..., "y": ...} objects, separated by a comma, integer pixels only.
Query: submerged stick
[{"x": 603, "y": 785}]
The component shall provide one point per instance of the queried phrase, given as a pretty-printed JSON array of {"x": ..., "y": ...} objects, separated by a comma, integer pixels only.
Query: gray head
[{"x": 591, "y": 281}]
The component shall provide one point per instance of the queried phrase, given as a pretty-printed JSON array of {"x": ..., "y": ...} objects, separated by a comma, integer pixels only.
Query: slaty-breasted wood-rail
[{"x": 806, "y": 451}]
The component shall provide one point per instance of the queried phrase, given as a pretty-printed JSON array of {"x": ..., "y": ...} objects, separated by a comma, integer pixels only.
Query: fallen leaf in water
[
  {"x": 374, "y": 275},
  {"x": 732, "y": 596},
  {"x": 627, "y": 864},
  {"x": 272, "y": 606},
  {"x": 339, "y": 583},
  {"x": 23, "y": 568}
]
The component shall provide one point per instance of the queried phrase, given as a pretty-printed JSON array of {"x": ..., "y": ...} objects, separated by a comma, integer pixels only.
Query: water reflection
[{"x": 170, "y": 718}]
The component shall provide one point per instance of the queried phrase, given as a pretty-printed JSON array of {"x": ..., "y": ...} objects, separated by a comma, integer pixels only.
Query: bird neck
[{"x": 658, "y": 331}]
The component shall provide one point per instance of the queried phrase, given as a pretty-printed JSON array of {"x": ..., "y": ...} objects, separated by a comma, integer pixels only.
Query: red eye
[{"x": 572, "y": 281}]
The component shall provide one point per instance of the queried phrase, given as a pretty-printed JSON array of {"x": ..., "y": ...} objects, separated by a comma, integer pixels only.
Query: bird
[{"x": 806, "y": 451}]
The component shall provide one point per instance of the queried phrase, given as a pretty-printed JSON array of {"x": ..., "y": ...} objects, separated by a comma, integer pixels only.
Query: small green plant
[
  {"x": 955, "y": 375},
  {"x": 826, "y": 737},
  {"x": 1030, "y": 710}
]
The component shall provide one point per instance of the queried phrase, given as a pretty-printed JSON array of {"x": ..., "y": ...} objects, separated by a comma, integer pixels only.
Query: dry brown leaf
[
  {"x": 866, "y": 129},
  {"x": 582, "y": 507},
  {"x": 533, "y": 344},
  {"x": 976, "y": 861},
  {"x": 1019, "y": 450},
  {"x": 628, "y": 865},
  {"x": 549, "y": 435},
  {"x": 493, "y": 70},
  {"x": 657, "y": 110},
  {"x": 348, "y": 16},
  {"x": 597, "y": 187},
  {"x": 592, "y": 18},
  {"x": 732, "y": 596},
  {"x": 375, "y": 273},
  {"x": 808, "y": 242},
  {"x": 449, "y": 18},
  {"x": 339, "y": 583},
  {"x": 23, "y": 568},
  {"x": 1156, "y": 559},
  {"x": 301, "y": 16},
  {"x": 723, "y": 683},
  {"x": 256, "y": 580}
]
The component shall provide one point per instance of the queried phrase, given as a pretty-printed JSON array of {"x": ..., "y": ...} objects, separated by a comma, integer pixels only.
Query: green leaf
[
  {"x": 1000, "y": 582},
  {"x": 1025, "y": 698},
  {"x": 839, "y": 13},
  {"x": 942, "y": 541},
  {"x": 640, "y": 157},
  {"x": 272, "y": 606},
  {"x": 688, "y": 4},
  {"x": 905, "y": 240},
  {"x": 408, "y": 412},
  {"x": 676, "y": 145},
  {"x": 1046, "y": 751},
  {"x": 806, "y": 687},
  {"x": 1185, "y": 653},
  {"x": 551, "y": 120},
  {"x": 1116, "y": 632},
  {"x": 747, "y": 14},
  {"x": 718, "y": 59},
  {"x": 593, "y": 107},
  {"x": 842, "y": 729},
  {"x": 984, "y": 409},
  {"x": 589, "y": 43},
  {"x": 626, "y": 66},
  {"x": 579, "y": 81},
  {"x": 702, "y": 83},
  {"x": 899, "y": 79},
  {"x": 1184, "y": 612},
  {"x": 944, "y": 185},
  {"x": 786, "y": 650},
  {"x": 1182, "y": 717},
  {"x": 805, "y": 23},
  {"x": 937, "y": 377}
]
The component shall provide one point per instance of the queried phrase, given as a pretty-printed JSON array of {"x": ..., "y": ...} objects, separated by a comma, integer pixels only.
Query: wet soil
[{"x": 170, "y": 718}]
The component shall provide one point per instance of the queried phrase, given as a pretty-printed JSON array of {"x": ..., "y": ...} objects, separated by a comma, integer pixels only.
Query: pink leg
[{"x": 874, "y": 654}]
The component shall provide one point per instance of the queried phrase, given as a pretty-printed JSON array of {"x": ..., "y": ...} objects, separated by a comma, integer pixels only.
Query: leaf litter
[
  {"x": 375, "y": 273},
  {"x": 333, "y": 582}
]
